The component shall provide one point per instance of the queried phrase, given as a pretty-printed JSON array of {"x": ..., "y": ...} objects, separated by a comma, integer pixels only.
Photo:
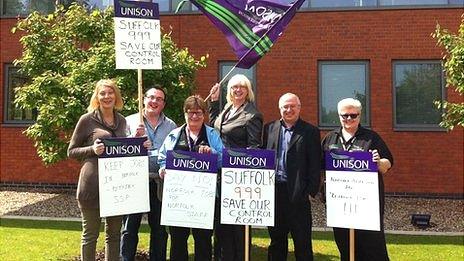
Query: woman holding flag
[{"x": 240, "y": 125}]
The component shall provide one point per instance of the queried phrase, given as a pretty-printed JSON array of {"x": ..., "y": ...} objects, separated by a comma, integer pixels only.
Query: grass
[{"x": 60, "y": 240}]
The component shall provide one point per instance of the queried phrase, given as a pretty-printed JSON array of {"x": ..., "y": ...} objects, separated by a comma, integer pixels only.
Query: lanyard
[
  {"x": 187, "y": 132},
  {"x": 350, "y": 144}
]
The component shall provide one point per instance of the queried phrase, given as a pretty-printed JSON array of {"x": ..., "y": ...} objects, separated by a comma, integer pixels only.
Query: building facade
[{"x": 378, "y": 51}]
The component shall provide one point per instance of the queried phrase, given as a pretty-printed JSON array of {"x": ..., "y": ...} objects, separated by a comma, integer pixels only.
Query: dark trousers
[
  {"x": 369, "y": 245},
  {"x": 293, "y": 218},
  {"x": 229, "y": 240},
  {"x": 158, "y": 235},
  {"x": 179, "y": 248},
  {"x": 229, "y": 243}
]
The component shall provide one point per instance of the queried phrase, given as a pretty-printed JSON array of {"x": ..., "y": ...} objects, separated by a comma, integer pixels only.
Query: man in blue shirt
[
  {"x": 298, "y": 149},
  {"x": 157, "y": 127}
]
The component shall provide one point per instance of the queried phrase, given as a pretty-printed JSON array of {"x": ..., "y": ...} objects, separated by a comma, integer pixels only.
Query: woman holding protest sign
[
  {"x": 240, "y": 125},
  {"x": 101, "y": 121},
  {"x": 193, "y": 136},
  {"x": 351, "y": 136}
]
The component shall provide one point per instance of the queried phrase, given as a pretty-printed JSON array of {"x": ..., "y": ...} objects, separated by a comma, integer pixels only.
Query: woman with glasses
[
  {"x": 193, "y": 136},
  {"x": 351, "y": 136},
  {"x": 240, "y": 125}
]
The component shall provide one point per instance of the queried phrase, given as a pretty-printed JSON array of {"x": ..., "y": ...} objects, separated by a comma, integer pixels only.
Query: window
[
  {"x": 25, "y": 7},
  {"x": 417, "y": 84},
  {"x": 413, "y": 2},
  {"x": 339, "y": 80},
  {"x": 12, "y": 113},
  {"x": 341, "y": 3},
  {"x": 378, "y": 3},
  {"x": 224, "y": 68}
]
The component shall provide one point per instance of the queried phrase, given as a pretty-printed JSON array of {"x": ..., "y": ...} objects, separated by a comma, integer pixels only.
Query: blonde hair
[
  {"x": 242, "y": 80},
  {"x": 94, "y": 103},
  {"x": 349, "y": 103}
]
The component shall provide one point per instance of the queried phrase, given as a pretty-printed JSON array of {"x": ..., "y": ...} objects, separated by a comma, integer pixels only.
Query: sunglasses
[{"x": 350, "y": 115}]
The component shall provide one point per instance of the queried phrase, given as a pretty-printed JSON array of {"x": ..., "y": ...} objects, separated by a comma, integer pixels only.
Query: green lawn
[{"x": 56, "y": 240}]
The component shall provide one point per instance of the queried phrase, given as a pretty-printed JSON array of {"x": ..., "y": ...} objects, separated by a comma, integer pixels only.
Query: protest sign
[
  {"x": 137, "y": 35},
  {"x": 189, "y": 190},
  {"x": 352, "y": 190},
  {"x": 247, "y": 187},
  {"x": 123, "y": 177}
]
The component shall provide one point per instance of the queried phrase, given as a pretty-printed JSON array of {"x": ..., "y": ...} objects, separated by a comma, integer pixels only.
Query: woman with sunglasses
[
  {"x": 370, "y": 245},
  {"x": 193, "y": 136}
]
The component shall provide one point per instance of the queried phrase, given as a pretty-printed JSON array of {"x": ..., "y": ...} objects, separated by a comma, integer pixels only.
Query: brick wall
[{"x": 425, "y": 162}]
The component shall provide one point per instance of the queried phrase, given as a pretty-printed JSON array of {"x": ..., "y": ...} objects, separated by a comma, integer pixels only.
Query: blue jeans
[{"x": 158, "y": 235}]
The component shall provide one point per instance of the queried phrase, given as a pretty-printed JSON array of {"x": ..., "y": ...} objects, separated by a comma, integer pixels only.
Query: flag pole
[
  {"x": 140, "y": 94},
  {"x": 250, "y": 49},
  {"x": 352, "y": 242}
]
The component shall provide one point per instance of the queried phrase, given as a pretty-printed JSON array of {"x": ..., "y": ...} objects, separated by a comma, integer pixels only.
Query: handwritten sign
[
  {"x": 247, "y": 187},
  {"x": 189, "y": 190},
  {"x": 352, "y": 190},
  {"x": 123, "y": 177},
  {"x": 137, "y": 35}
]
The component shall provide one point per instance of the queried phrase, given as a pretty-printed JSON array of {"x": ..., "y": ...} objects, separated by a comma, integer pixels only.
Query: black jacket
[{"x": 303, "y": 157}]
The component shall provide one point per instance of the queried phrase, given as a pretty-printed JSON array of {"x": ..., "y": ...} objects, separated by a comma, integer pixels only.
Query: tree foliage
[
  {"x": 66, "y": 53},
  {"x": 453, "y": 62}
]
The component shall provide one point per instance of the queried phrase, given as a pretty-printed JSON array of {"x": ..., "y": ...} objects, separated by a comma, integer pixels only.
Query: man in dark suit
[{"x": 298, "y": 149}]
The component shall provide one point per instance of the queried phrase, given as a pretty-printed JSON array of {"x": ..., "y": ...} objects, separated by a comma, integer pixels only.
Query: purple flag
[{"x": 250, "y": 26}]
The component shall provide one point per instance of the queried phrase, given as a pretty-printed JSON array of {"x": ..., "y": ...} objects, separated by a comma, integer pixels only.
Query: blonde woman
[
  {"x": 101, "y": 121},
  {"x": 240, "y": 125}
]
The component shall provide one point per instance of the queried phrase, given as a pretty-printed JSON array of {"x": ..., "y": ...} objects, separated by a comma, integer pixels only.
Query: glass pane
[
  {"x": 456, "y": 2},
  {"x": 163, "y": 5},
  {"x": 175, "y": 3},
  {"x": 417, "y": 86},
  {"x": 339, "y": 81},
  {"x": 342, "y": 3},
  {"x": 100, "y": 4},
  {"x": 14, "y": 113},
  {"x": 13, "y": 7},
  {"x": 224, "y": 68},
  {"x": 413, "y": 2}
]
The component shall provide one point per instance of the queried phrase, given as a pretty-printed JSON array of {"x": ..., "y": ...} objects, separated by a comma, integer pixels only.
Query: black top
[
  {"x": 363, "y": 140},
  {"x": 190, "y": 144},
  {"x": 241, "y": 130}
]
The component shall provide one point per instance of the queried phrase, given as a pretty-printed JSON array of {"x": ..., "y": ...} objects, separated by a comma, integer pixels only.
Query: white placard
[
  {"x": 188, "y": 199},
  {"x": 247, "y": 196},
  {"x": 137, "y": 43},
  {"x": 352, "y": 200},
  {"x": 123, "y": 185}
]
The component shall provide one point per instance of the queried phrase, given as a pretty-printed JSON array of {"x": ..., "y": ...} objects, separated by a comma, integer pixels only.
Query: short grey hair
[
  {"x": 289, "y": 95},
  {"x": 349, "y": 103}
]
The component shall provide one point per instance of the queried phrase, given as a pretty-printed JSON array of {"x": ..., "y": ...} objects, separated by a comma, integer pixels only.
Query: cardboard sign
[
  {"x": 123, "y": 177},
  {"x": 189, "y": 190},
  {"x": 247, "y": 187},
  {"x": 137, "y": 35},
  {"x": 352, "y": 190}
]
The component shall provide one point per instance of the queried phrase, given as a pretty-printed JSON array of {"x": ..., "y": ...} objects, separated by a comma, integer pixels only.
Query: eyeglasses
[
  {"x": 349, "y": 115},
  {"x": 289, "y": 106},
  {"x": 154, "y": 98},
  {"x": 236, "y": 87},
  {"x": 193, "y": 113}
]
